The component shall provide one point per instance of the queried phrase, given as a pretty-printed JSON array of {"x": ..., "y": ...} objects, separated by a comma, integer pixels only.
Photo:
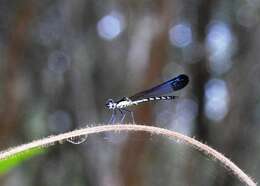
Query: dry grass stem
[{"x": 208, "y": 151}]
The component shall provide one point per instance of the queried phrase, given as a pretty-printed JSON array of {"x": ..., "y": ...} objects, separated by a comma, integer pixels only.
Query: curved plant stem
[{"x": 208, "y": 151}]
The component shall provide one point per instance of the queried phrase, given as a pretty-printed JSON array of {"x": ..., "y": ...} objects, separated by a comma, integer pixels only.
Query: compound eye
[{"x": 109, "y": 102}]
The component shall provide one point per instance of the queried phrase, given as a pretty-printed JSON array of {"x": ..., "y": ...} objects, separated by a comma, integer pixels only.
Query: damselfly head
[{"x": 110, "y": 104}]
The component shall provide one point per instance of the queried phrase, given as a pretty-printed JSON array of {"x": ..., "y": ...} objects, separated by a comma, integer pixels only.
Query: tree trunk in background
[
  {"x": 199, "y": 77},
  {"x": 133, "y": 151},
  {"x": 10, "y": 117}
]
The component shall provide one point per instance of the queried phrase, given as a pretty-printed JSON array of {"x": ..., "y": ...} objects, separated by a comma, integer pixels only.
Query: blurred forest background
[{"x": 61, "y": 60}]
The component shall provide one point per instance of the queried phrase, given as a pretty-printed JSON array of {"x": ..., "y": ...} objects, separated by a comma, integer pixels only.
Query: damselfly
[{"x": 152, "y": 94}]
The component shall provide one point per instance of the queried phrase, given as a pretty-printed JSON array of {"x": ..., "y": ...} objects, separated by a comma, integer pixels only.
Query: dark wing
[{"x": 169, "y": 86}]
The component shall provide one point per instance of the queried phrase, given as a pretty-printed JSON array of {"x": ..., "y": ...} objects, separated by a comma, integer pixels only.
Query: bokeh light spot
[
  {"x": 110, "y": 26},
  {"x": 186, "y": 112},
  {"x": 181, "y": 35},
  {"x": 220, "y": 45},
  {"x": 216, "y": 99},
  {"x": 219, "y": 38}
]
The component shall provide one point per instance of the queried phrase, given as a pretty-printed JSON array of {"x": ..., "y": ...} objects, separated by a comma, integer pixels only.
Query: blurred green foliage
[{"x": 7, "y": 164}]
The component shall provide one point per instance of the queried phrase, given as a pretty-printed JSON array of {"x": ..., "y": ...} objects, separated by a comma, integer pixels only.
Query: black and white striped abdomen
[{"x": 150, "y": 99}]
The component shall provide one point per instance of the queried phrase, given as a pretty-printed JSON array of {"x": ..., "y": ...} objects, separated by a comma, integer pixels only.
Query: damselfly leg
[
  {"x": 124, "y": 112},
  {"x": 123, "y": 115},
  {"x": 132, "y": 114},
  {"x": 113, "y": 117}
]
